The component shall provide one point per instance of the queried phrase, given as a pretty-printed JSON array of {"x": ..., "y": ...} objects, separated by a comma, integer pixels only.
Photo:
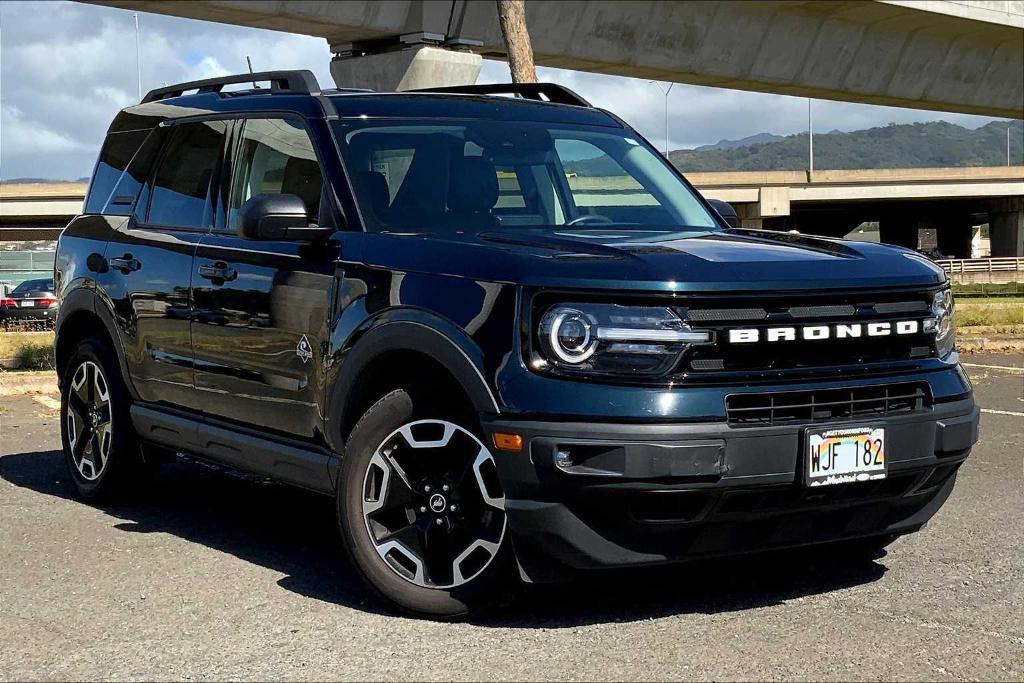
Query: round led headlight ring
[{"x": 571, "y": 335}]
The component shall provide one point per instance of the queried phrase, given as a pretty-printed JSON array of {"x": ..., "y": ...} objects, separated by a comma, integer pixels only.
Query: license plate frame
[
  {"x": 843, "y": 450},
  {"x": 27, "y": 303}
]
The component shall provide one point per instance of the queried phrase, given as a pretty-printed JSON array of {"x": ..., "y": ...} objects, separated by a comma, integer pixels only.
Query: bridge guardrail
[{"x": 981, "y": 265}]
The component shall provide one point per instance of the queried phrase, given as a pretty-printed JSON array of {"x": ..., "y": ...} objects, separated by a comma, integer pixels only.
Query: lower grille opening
[
  {"x": 670, "y": 507},
  {"x": 783, "y": 407}
]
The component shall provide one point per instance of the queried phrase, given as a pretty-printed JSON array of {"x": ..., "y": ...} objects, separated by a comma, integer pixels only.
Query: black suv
[{"x": 503, "y": 332}]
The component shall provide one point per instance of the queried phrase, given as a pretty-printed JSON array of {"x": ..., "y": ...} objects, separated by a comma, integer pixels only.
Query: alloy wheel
[
  {"x": 432, "y": 504},
  {"x": 89, "y": 420}
]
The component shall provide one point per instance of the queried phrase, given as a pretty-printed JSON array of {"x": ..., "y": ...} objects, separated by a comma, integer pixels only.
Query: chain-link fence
[{"x": 19, "y": 265}]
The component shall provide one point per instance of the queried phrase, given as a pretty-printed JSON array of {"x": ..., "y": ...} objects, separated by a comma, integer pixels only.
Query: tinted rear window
[
  {"x": 35, "y": 286},
  {"x": 182, "y": 181}
]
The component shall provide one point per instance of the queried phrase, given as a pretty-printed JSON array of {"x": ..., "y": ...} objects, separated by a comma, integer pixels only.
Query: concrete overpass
[
  {"x": 904, "y": 202},
  {"x": 962, "y": 56}
]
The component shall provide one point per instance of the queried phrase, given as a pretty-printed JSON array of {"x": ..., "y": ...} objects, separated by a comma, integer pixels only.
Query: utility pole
[
  {"x": 810, "y": 137},
  {"x": 138, "y": 56},
  {"x": 512, "y": 17},
  {"x": 1008, "y": 126}
]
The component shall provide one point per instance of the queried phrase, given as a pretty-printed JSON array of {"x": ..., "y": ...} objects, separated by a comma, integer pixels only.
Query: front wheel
[{"x": 421, "y": 509}]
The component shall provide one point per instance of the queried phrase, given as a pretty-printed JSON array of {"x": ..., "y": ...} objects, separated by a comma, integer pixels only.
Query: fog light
[{"x": 563, "y": 459}]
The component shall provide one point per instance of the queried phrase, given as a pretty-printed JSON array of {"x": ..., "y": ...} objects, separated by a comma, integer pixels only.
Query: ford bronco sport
[{"x": 503, "y": 332}]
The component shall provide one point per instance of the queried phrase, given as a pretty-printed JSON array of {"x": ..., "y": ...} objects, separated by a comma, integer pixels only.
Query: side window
[
  {"x": 275, "y": 156},
  {"x": 181, "y": 185}
]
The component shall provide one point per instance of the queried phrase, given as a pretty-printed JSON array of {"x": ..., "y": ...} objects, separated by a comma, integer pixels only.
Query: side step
[{"x": 290, "y": 463}]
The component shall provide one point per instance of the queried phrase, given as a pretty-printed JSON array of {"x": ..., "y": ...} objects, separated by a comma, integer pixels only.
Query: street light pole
[
  {"x": 666, "y": 116},
  {"x": 138, "y": 57},
  {"x": 666, "y": 91},
  {"x": 810, "y": 136}
]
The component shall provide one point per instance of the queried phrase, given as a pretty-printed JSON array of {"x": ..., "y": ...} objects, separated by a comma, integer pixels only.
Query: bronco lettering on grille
[{"x": 822, "y": 332}]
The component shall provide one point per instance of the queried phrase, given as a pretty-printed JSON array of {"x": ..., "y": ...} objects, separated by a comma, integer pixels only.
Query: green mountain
[{"x": 914, "y": 145}]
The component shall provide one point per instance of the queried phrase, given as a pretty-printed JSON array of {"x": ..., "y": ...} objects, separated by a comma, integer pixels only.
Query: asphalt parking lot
[{"x": 212, "y": 576}]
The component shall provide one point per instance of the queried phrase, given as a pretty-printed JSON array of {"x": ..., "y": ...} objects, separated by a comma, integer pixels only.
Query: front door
[{"x": 262, "y": 307}]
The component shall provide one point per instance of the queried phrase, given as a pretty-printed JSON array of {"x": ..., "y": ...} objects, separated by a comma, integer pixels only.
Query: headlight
[
  {"x": 942, "y": 322},
  {"x": 607, "y": 339}
]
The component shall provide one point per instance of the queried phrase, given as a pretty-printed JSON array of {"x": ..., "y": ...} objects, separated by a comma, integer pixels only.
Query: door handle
[
  {"x": 218, "y": 271},
  {"x": 125, "y": 264}
]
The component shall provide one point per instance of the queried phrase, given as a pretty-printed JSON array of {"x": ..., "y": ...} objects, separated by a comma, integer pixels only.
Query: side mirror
[
  {"x": 277, "y": 217},
  {"x": 726, "y": 211}
]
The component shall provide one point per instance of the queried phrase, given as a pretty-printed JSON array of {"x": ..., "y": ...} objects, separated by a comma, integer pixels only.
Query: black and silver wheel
[
  {"x": 100, "y": 447},
  {"x": 422, "y": 509},
  {"x": 89, "y": 421}
]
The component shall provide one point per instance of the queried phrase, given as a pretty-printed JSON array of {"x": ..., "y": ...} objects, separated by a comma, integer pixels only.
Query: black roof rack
[
  {"x": 543, "y": 92},
  {"x": 301, "y": 82}
]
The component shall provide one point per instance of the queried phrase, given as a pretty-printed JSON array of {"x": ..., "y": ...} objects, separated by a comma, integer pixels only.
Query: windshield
[
  {"x": 456, "y": 176},
  {"x": 34, "y": 286}
]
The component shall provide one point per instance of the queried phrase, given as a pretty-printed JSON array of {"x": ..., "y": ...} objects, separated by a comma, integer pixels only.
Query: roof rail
[
  {"x": 542, "y": 92},
  {"x": 301, "y": 82}
]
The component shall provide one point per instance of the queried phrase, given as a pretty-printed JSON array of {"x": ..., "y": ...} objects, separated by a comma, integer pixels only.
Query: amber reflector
[{"x": 508, "y": 442}]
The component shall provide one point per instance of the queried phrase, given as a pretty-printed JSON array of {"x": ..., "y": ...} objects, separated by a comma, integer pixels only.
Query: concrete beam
[
  {"x": 963, "y": 56},
  {"x": 420, "y": 66}
]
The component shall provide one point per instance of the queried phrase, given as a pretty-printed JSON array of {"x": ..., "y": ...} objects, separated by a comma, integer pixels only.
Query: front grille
[
  {"x": 783, "y": 407},
  {"x": 763, "y": 313}
]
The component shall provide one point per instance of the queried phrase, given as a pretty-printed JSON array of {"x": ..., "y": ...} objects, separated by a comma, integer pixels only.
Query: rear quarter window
[{"x": 118, "y": 149}]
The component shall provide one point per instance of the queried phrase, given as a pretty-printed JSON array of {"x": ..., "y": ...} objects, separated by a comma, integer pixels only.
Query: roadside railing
[{"x": 981, "y": 265}]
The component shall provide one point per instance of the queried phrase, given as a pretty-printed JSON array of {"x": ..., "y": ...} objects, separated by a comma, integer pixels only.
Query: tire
[
  {"x": 400, "y": 534},
  {"x": 101, "y": 449}
]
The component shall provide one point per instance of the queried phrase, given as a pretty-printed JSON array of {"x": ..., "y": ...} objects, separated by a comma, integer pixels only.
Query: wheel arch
[
  {"x": 394, "y": 352},
  {"x": 82, "y": 314}
]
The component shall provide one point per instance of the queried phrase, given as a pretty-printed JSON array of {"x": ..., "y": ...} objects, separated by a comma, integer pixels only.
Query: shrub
[{"x": 34, "y": 356}]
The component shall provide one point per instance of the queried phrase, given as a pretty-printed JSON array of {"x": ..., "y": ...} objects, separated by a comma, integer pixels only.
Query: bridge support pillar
[
  {"x": 899, "y": 231},
  {"x": 1006, "y": 231},
  {"x": 420, "y": 66},
  {"x": 954, "y": 239}
]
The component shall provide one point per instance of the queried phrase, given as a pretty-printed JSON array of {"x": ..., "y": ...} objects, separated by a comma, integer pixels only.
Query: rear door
[
  {"x": 149, "y": 260},
  {"x": 262, "y": 307}
]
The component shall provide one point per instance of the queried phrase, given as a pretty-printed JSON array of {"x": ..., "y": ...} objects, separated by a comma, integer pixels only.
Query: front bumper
[{"x": 653, "y": 493}]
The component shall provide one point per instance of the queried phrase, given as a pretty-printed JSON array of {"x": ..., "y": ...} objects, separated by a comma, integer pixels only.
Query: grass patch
[
  {"x": 30, "y": 350},
  {"x": 971, "y": 314}
]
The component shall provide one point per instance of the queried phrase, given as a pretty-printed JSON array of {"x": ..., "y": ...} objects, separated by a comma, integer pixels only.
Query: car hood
[{"x": 655, "y": 260}]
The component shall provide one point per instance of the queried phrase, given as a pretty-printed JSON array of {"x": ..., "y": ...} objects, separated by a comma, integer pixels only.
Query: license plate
[
  {"x": 838, "y": 456},
  {"x": 28, "y": 303}
]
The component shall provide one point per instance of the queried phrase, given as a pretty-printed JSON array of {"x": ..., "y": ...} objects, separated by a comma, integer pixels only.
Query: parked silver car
[{"x": 32, "y": 303}]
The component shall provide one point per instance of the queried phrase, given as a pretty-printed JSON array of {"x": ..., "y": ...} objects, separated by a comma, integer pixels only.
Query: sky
[{"x": 66, "y": 69}]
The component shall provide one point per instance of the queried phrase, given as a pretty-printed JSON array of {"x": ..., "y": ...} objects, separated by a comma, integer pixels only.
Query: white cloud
[{"x": 19, "y": 137}]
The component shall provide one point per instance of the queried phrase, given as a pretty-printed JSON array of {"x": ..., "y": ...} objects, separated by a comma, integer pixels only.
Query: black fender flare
[{"x": 420, "y": 332}]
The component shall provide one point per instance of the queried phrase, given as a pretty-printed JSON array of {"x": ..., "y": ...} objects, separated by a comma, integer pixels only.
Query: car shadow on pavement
[{"x": 293, "y": 532}]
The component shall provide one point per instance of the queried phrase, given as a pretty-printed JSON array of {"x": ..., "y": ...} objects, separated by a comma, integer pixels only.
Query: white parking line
[
  {"x": 1002, "y": 412},
  {"x": 1008, "y": 368}
]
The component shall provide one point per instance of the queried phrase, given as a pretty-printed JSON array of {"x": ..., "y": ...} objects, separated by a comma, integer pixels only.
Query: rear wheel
[
  {"x": 100, "y": 446},
  {"x": 421, "y": 508}
]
